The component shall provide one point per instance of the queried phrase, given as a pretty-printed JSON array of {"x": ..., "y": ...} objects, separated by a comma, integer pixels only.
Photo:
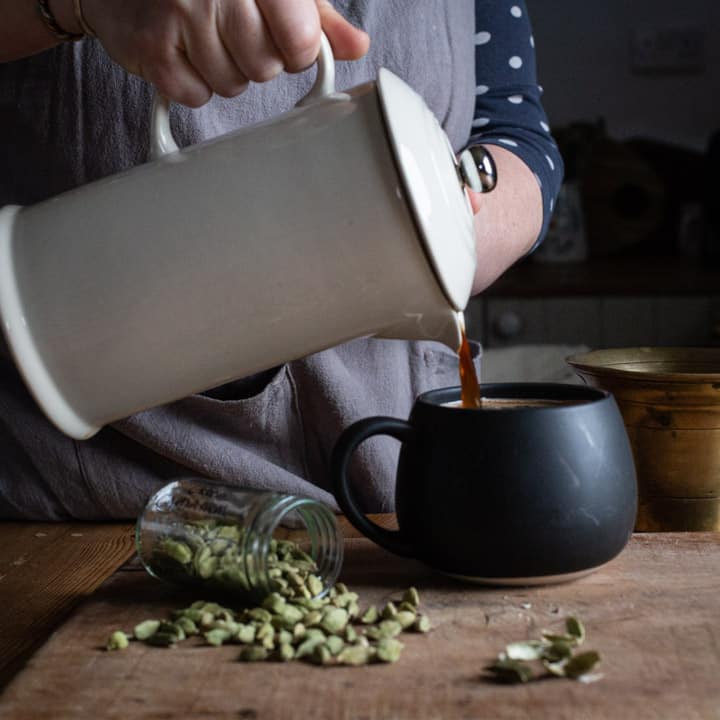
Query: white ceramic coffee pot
[{"x": 345, "y": 217}]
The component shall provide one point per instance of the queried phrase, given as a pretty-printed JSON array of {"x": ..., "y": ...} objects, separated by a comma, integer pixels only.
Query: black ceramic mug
[{"x": 509, "y": 495}]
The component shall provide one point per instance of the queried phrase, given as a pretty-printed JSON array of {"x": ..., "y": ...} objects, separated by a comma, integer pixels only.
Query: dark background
[{"x": 632, "y": 91}]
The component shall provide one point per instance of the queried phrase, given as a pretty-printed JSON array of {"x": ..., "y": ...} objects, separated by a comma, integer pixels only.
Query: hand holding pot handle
[
  {"x": 392, "y": 540},
  {"x": 161, "y": 137}
]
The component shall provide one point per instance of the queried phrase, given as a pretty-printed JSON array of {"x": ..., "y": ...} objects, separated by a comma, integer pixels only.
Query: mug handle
[
  {"x": 162, "y": 141},
  {"x": 358, "y": 432}
]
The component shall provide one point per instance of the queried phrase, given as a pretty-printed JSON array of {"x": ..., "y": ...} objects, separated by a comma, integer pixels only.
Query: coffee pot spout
[{"x": 443, "y": 326}]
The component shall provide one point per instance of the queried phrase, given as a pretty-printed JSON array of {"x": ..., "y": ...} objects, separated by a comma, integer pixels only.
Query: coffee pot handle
[
  {"x": 162, "y": 141},
  {"x": 358, "y": 432}
]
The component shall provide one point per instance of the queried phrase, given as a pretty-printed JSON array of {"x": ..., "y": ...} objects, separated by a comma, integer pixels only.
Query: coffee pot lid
[{"x": 434, "y": 185}]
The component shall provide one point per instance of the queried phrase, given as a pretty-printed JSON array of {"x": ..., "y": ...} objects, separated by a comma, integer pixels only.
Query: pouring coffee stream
[{"x": 469, "y": 384}]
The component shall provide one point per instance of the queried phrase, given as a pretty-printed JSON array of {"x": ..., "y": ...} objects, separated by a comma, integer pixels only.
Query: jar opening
[{"x": 303, "y": 523}]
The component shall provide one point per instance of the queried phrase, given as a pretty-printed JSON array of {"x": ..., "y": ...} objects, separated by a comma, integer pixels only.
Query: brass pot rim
[{"x": 636, "y": 363}]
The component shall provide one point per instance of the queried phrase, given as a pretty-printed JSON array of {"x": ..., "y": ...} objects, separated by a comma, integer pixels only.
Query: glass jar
[{"x": 246, "y": 543}]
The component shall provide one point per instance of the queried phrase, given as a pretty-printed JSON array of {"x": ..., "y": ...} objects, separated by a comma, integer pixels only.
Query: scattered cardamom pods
[
  {"x": 554, "y": 652},
  {"x": 296, "y": 620}
]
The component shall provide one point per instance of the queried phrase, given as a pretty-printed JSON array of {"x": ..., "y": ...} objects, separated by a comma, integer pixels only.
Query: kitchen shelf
[{"x": 618, "y": 276}]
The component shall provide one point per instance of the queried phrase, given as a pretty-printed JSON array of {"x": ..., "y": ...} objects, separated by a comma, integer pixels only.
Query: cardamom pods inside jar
[{"x": 239, "y": 542}]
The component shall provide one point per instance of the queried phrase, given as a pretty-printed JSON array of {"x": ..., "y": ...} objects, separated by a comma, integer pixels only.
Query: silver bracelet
[
  {"x": 43, "y": 7},
  {"x": 80, "y": 17}
]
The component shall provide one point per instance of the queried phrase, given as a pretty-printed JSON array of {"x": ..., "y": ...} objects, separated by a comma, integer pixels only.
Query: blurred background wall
[{"x": 634, "y": 62}]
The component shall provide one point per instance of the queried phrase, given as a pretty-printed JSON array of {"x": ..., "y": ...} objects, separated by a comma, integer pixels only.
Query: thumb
[{"x": 347, "y": 41}]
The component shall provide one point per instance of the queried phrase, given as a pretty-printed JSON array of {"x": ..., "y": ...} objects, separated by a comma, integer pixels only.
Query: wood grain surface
[
  {"x": 45, "y": 570},
  {"x": 653, "y": 613}
]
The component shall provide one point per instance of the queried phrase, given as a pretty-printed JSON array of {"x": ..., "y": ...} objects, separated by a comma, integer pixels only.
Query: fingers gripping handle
[
  {"x": 351, "y": 438},
  {"x": 161, "y": 137},
  {"x": 162, "y": 141},
  {"x": 324, "y": 84}
]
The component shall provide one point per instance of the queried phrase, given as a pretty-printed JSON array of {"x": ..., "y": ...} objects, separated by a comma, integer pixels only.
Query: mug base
[{"x": 524, "y": 581}]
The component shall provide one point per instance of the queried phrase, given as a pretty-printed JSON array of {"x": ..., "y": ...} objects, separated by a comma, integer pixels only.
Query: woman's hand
[{"x": 190, "y": 49}]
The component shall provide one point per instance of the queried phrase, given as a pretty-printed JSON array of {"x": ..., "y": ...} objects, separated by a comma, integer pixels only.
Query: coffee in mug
[{"x": 512, "y": 403}]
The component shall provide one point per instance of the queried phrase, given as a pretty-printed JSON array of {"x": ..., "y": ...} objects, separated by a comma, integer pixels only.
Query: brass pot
[{"x": 669, "y": 398}]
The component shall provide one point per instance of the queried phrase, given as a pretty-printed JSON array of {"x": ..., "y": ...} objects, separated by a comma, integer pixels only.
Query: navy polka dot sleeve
[{"x": 508, "y": 111}]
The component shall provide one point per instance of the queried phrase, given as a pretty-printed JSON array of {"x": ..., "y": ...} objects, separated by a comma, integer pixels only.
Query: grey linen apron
[{"x": 72, "y": 116}]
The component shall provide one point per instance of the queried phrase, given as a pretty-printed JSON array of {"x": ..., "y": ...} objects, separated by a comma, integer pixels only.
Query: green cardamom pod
[
  {"x": 370, "y": 616},
  {"x": 510, "y": 671},
  {"x": 264, "y": 631},
  {"x": 175, "y": 550},
  {"x": 556, "y": 651},
  {"x": 334, "y": 619},
  {"x": 335, "y": 644},
  {"x": 253, "y": 653},
  {"x": 117, "y": 641},
  {"x": 530, "y": 650},
  {"x": 389, "y": 612},
  {"x": 576, "y": 629},
  {"x": 188, "y": 626},
  {"x": 274, "y": 603},
  {"x": 306, "y": 647},
  {"x": 291, "y": 616},
  {"x": 315, "y": 585},
  {"x": 145, "y": 629},
  {"x": 384, "y": 629},
  {"x": 411, "y": 597},
  {"x": 405, "y": 618},
  {"x": 245, "y": 634},
  {"x": 321, "y": 655},
  {"x": 388, "y": 649},
  {"x": 217, "y": 636},
  {"x": 354, "y": 655},
  {"x": 285, "y": 652},
  {"x": 581, "y": 664},
  {"x": 161, "y": 639}
]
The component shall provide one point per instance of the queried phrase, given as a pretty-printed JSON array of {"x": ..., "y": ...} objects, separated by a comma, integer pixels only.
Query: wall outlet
[{"x": 670, "y": 49}]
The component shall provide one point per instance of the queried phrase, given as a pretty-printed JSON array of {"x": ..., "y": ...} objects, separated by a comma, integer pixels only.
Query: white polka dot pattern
[{"x": 508, "y": 110}]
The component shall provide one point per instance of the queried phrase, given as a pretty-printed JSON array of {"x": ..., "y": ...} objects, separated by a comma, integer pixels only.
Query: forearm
[
  {"x": 507, "y": 220},
  {"x": 23, "y": 32}
]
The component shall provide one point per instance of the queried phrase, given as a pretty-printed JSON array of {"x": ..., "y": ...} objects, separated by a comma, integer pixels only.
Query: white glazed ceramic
[{"x": 341, "y": 218}]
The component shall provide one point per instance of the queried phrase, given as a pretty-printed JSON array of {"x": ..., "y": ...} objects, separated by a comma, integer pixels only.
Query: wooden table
[{"x": 653, "y": 614}]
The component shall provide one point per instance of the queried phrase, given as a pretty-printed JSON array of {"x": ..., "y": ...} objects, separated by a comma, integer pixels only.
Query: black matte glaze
[{"x": 506, "y": 493}]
